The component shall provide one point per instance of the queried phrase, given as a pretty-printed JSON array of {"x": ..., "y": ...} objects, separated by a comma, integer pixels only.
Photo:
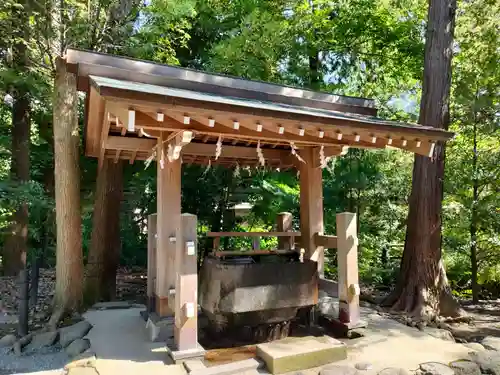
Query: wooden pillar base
[
  {"x": 163, "y": 307},
  {"x": 340, "y": 329}
]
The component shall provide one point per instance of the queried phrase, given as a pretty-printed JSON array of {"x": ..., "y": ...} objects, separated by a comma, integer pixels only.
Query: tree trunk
[
  {"x": 16, "y": 243},
  {"x": 69, "y": 264},
  {"x": 473, "y": 221},
  {"x": 422, "y": 288},
  {"x": 104, "y": 253}
]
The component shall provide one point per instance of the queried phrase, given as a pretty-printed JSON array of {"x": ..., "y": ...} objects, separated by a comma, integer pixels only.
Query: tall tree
[
  {"x": 474, "y": 170},
  {"x": 69, "y": 263},
  {"x": 422, "y": 289},
  {"x": 104, "y": 252},
  {"x": 16, "y": 243}
]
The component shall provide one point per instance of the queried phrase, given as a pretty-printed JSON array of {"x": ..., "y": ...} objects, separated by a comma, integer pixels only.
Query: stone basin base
[{"x": 262, "y": 296}]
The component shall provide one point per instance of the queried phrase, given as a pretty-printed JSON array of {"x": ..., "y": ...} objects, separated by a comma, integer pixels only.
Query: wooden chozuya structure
[{"x": 138, "y": 110}]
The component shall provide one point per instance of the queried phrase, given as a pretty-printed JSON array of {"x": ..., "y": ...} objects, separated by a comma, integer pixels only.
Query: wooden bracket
[{"x": 176, "y": 143}]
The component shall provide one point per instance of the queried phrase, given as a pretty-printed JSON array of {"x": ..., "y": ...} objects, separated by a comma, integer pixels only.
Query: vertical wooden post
[
  {"x": 151, "y": 262},
  {"x": 255, "y": 243},
  {"x": 186, "y": 287},
  {"x": 168, "y": 228},
  {"x": 284, "y": 223},
  {"x": 311, "y": 205},
  {"x": 347, "y": 255}
]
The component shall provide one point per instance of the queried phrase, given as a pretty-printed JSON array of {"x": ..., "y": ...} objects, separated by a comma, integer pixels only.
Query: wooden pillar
[
  {"x": 311, "y": 205},
  {"x": 186, "y": 287},
  {"x": 284, "y": 223},
  {"x": 151, "y": 262},
  {"x": 168, "y": 229},
  {"x": 347, "y": 255}
]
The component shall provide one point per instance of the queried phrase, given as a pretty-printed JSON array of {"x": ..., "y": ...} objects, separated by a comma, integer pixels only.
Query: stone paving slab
[{"x": 293, "y": 354}]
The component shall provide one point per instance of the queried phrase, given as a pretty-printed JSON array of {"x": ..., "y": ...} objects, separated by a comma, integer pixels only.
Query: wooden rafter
[{"x": 346, "y": 125}]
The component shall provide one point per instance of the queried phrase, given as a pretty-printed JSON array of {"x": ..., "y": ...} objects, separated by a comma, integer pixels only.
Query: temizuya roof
[{"x": 131, "y": 103}]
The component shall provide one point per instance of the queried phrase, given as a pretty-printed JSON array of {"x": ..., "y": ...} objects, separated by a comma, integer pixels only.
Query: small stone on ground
[
  {"x": 69, "y": 334},
  {"x": 82, "y": 371},
  {"x": 439, "y": 333},
  {"x": 7, "y": 340},
  {"x": 474, "y": 346},
  {"x": 488, "y": 360},
  {"x": 338, "y": 370},
  {"x": 491, "y": 343},
  {"x": 42, "y": 340},
  {"x": 434, "y": 368},
  {"x": 363, "y": 366},
  {"x": 85, "y": 359},
  {"x": 77, "y": 347},
  {"x": 393, "y": 371},
  {"x": 465, "y": 368}
]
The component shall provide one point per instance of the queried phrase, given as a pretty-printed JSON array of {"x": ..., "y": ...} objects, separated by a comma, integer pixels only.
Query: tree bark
[
  {"x": 16, "y": 244},
  {"x": 69, "y": 264},
  {"x": 473, "y": 221},
  {"x": 105, "y": 242},
  {"x": 422, "y": 289}
]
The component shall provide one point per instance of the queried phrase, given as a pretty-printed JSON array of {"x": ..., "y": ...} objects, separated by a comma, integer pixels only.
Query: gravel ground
[{"x": 13, "y": 364}]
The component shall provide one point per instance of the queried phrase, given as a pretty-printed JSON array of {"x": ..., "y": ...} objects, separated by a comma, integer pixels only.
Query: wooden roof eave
[{"x": 181, "y": 105}]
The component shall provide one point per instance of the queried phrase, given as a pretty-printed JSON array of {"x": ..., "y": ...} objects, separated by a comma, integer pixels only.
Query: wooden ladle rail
[{"x": 255, "y": 241}]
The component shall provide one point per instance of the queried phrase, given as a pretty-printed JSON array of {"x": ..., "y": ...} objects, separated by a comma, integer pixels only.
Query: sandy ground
[{"x": 121, "y": 346}]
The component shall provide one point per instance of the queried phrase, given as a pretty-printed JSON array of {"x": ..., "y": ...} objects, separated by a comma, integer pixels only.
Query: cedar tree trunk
[
  {"x": 422, "y": 289},
  {"x": 104, "y": 253},
  {"x": 69, "y": 258},
  {"x": 16, "y": 244}
]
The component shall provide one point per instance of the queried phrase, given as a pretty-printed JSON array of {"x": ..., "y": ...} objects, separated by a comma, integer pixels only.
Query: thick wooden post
[
  {"x": 168, "y": 229},
  {"x": 151, "y": 262},
  {"x": 186, "y": 287},
  {"x": 311, "y": 205},
  {"x": 284, "y": 223},
  {"x": 347, "y": 255}
]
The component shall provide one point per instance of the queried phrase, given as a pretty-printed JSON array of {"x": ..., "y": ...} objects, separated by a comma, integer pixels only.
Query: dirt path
[{"x": 485, "y": 321}]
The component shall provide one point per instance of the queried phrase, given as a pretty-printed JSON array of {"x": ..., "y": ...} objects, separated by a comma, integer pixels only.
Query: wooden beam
[
  {"x": 130, "y": 143},
  {"x": 117, "y": 156},
  {"x": 132, "y": 158},
  {"x": 253, "y": 234},
  {"x": 95, "y": 119},
  {"x": 203, "y": 149},
  {"x": 147, "y": 122},
  {"x": 347, "y": 125},
  {"x": 237, "y": 152},
  {"x": 328, "y": 242},
  {"x": 252, "y": 252},
  {"x": 104, "y": 136}
]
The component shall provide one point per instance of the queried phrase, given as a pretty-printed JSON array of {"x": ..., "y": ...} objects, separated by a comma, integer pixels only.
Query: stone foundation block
[
  {"x": 300, "y": 353},
  {"x": 160, "y": 329}
]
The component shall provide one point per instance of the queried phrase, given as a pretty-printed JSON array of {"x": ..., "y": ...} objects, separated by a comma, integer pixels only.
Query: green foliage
[{"x": 370, "y": 48}]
